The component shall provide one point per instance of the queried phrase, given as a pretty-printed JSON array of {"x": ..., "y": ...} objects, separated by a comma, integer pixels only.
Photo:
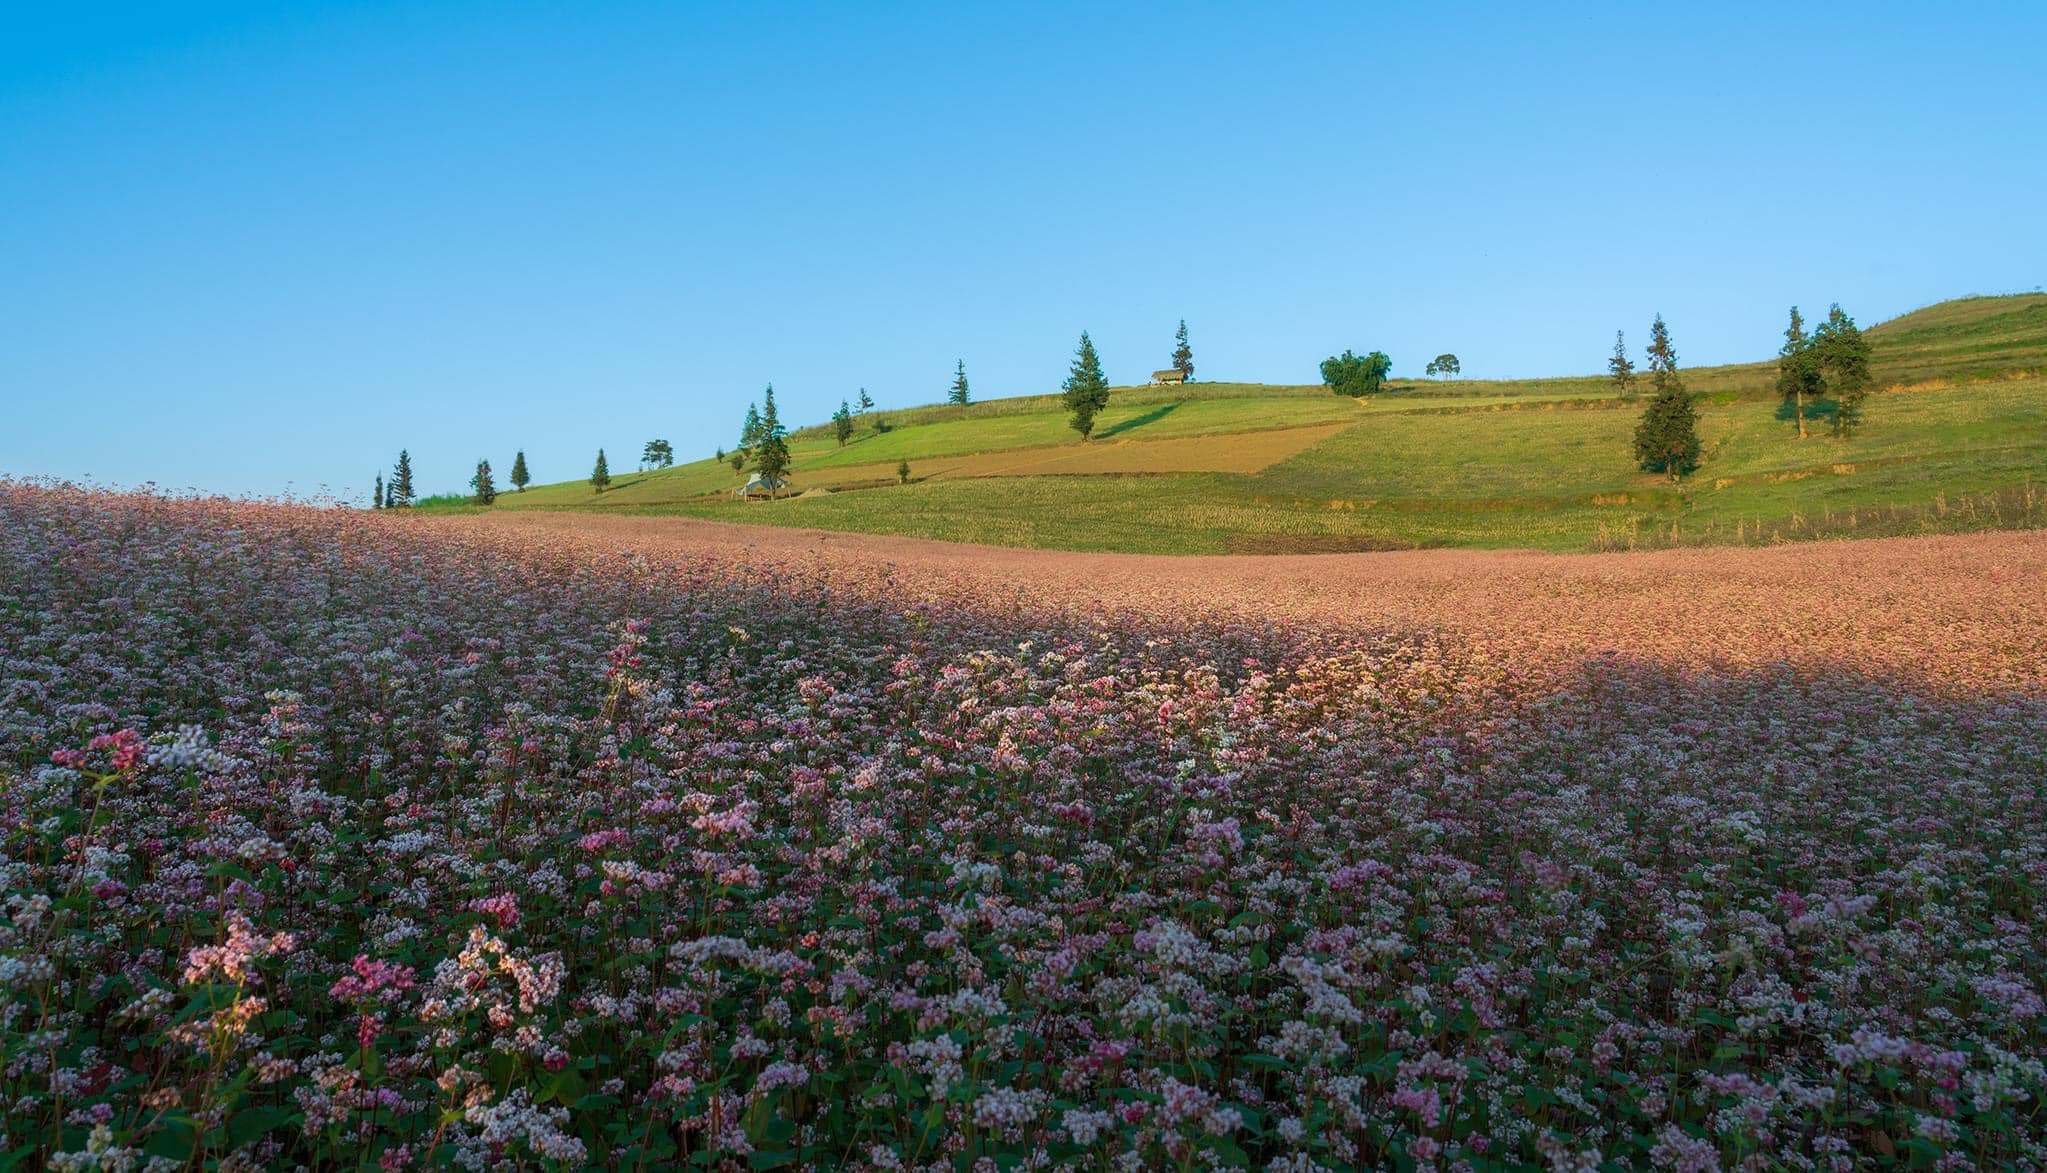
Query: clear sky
[{"x": 259, "y": 248}]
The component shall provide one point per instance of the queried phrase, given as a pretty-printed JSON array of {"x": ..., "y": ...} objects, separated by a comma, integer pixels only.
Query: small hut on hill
[
  {"x": 1169, "y": 375},
  {"x": 760, "y": 486}
]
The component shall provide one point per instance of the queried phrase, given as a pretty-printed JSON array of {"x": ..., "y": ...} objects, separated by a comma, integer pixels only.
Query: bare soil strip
[{"x": 1963, "y": 611}]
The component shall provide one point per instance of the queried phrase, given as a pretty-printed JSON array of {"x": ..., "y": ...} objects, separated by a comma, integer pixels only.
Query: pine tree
[
  {"x": 842, "y": 423},
  {"x": 958, "y": 394},
  {"x": 1183, "y": 354},
  {"x": 1086, "y": 391},
  {"x": 902, "y": 472},
  {"x": 771, "y": 455},
  {"x": 1842, "y": 355},
  {"x": 377, "y": 494},
  {"x": 486, "y": 489},
  {"x": 520, "y": 477},
  {"x": 1662, "y": 358},
  {"x": 866, "y": 403},
  {"x": 750, "y": 433},
  {"x": 600, "y": 477},
  {"x": 1621, "y": 367},
  {"x": 1667, "y": 438},
  {"x": 399, "y": 493},
  {"x": 1798, "y": 374}
]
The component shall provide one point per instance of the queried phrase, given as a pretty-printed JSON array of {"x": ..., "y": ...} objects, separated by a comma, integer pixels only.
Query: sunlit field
[
  {"x": 1950, "y": 444},
  {"x": 339, "y": 839}
]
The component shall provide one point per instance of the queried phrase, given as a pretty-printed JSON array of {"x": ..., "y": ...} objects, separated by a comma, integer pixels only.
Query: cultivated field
[
  {"x": 335, "y": 838},
  {"x": 1952, "y": 442}
]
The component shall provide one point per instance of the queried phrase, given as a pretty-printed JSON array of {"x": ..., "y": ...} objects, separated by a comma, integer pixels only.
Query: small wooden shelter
[{"x": 1169, "y": 375}]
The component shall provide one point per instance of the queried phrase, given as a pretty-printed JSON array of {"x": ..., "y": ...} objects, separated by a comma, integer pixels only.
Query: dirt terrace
[{"x": 1964, "y": 611}]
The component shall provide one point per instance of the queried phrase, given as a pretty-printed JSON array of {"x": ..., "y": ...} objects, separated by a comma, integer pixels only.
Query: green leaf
[
  {"x": 250, "y": 1123},
  {"x": 1265, "y": 1062},
  {"x": 175, "y": 1138}
]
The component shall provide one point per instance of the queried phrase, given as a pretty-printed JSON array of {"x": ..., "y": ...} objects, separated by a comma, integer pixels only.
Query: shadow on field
[{"x": 1133, "y": 423}]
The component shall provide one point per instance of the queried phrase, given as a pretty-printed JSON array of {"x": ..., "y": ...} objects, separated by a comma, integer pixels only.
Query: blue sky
[{"x": 259, "y": 248}]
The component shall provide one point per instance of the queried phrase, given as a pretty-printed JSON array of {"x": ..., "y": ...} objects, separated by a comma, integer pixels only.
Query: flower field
[{"x": 338, "y": 839}]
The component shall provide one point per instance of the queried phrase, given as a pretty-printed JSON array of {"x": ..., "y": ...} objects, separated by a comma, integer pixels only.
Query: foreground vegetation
[
  {"x": 329, "y": 844},
  {"x": 1950, "y": 439}
]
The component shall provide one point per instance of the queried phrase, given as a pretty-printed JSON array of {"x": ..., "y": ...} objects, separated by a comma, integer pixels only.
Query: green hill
[{"x": 1956, "y": 438}]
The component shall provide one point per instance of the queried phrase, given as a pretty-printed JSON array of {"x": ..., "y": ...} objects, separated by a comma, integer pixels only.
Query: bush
[{"x": 1356, "y": 375}]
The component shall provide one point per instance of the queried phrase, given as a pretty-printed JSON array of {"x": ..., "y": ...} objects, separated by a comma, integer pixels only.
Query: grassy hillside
[{"x": 1955, "y": 439}]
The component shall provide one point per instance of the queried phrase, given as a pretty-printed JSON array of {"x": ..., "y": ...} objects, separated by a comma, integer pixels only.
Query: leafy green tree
[
  {"x": 771, "y": 455},
  {"x": 657, "y": 454},
  {"x": 486, "y": 489},
  {"x": 1798, "y": 371},
  {"x": 1183, "y": 354},
  {"x": 520, "y": 477},
  {"x": 399, "y": 494},
  {"x": 1667, "y": 438},
  {"x": 1842, "y": 355},
  {"x": 902, "y": 472},
  {"x": 1621, "y": 368},
  {"x": 865, "y": 401},
  {"x": 738, "y": 459},
  {"x": 1356, "y": 375},
  {"x": 600, "y": 477},
  {"x": 1443, "y": 364},
  {"x": 1086, "y": 392},
  {"x": 1662, "y": 358},
  {"x": 958, "y": 394},
  {"x": 377, "y": 494},
  {"x": 842, "y": 423}
]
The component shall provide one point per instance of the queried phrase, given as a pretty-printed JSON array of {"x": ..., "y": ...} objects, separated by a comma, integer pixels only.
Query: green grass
[{"x": 1956, "y": 440}]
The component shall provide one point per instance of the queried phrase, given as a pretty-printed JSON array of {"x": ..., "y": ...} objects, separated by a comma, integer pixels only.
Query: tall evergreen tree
[
  {"x": 1183, "y": 354},
  {"x": 865, "y": 401},
  {"x": 1667, "y": 438},
  {"x": 771, "y": 455},
  {"x": 1086, "y": 391},
  {"x": 377, "y": 494},
  {"x": 1662, "y": 358},
  {"x": 398, "y": 495},
  {"x": 1621, "y": 367},
  {"x": 1798, "y": 371},
  {"x": 520, "y": 477},
  {"x": 1842, "y": 355},
  {"x": 750, "y": 432},
  {"x": 600, "y": 477},
  {"x": 842, "y": 423},
  {"x": 959, "y": 394},
  {"x": 486, "y": 489}
]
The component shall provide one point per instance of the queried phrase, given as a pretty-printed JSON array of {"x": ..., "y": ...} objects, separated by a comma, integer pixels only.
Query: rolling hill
[{"x": 1955, "y": 439}]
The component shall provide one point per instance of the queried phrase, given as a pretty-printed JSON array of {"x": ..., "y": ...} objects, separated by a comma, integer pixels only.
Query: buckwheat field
[{"x": 335, "y": 839}]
